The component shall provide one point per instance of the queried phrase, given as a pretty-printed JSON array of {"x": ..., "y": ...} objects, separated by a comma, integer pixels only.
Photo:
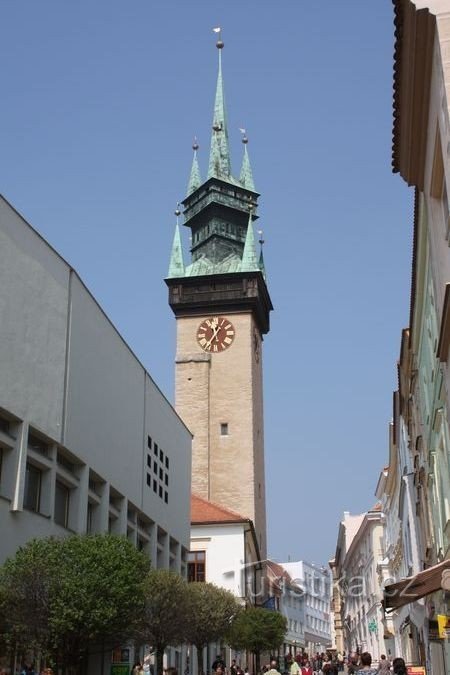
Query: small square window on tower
[{"x": 224, "y": 429}]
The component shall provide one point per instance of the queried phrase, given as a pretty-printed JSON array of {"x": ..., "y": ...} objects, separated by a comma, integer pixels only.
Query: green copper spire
[
  {"x": 249, "y": 261},
  {"x": 219, "y": 157},
  {"x": 246, "y": 176},
  {"x": 176, "y": 266},
  {"x": 194, "y": 179}
]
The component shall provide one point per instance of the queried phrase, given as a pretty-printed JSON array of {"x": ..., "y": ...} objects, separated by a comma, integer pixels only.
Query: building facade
[
  {"x": 224, "y": 551},
  {"x": 315, "y": 582},
  {"x": 348, "y": 527},
  {"x": 362, "y": 609},
  {"x": 404, "y": 629},
  {"x": 222, "y": 305},
  {"x": 421, "y": 141},
  {"x": 286, "y": 597},
  {"x": 88, "y": 443}
]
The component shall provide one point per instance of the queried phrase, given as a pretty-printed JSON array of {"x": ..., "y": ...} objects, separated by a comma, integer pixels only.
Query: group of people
[
  {"x": 327, "y": 664},
  {"x": 362, "y": 665}
]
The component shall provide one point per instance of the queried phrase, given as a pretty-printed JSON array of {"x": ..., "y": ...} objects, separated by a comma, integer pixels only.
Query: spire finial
[
  {"x": 246, "y": 175},
  {"x": 176, "y": 265},
  {"x": 261, "y": 255},
  {"x": 249, "y": 262},
  {"x": 219, "y": 44},
  {"x": 194, "y": 179},
  {"x": 219, "y": 158}
]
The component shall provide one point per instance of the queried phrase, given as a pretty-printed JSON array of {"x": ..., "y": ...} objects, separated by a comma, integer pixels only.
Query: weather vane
[
  {"x": 244, "y": 135},
  {"x": 219, "y": 43}
]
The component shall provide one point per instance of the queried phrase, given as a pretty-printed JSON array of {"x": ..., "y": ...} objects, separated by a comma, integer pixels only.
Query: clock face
[{"x": 215, "y": 334}]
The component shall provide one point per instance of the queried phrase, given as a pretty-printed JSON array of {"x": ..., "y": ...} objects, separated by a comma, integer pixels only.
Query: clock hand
[{"x": 208, "y": 344}]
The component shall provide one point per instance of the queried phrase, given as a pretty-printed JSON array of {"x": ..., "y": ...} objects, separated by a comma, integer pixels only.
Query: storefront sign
[
  {"x": 120, "y": 655},
  {"x": 444, "y": 625},
  {"x": 416, "y": 670},
  {"x": 120, "y": 669}
]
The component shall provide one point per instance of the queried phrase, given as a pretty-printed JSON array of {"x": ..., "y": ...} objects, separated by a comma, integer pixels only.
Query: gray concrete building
[{"x": 88, "y": 443}]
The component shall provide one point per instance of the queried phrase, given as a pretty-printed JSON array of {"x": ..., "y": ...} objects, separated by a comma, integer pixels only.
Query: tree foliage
[
  {"x": 165, "y": 611},
  {"x": 61, "y": 596},
  {"x": 256, "y": 630},
  {"x": 211, "y": 611}
]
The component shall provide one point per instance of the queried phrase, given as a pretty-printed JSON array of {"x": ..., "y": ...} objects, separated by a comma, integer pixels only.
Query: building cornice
[{"x": 413, "y": 51}]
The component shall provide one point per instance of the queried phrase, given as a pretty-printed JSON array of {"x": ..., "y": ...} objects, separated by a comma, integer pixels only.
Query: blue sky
[{"x": 100, "y": 103}]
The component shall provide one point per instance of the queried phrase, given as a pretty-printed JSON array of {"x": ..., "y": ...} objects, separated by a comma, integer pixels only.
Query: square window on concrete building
[
  {"x": 161, "y": 455},
  {"x": 32, "y": 492},
  {"x": 160, "y": 491},
  {"x": 155, "y": 467},
  {"x": 149, "y": 480},
  {"x": 37, "y": 444},
  {"x": 166, "y": 497},
  {"x": 167, "y": 462},
  {"x": 149, "y": 442},
  {"x": 155, "y": 448},
  {"x": 62, "y": 500},
  {"x": 149, "y": 461},
  {"x": 166, "y": 479},
  {"x": 155, "y": 486},
  {"x": 161, "y": 474},
  {"x": 224, "y": 429}
]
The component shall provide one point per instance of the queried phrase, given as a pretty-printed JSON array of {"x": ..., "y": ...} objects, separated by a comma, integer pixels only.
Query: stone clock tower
[{"x": 222, "y": 305}]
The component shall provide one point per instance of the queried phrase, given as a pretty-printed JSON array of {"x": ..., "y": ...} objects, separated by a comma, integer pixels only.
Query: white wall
[{"x": 225, "y": 554}]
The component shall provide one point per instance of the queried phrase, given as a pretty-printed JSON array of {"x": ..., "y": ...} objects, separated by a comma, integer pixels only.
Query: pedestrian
[
  {"x": 384, "y": 666},
  {"x": 233, "y": 667},
  {"x": 399, "y": 666},
  {"x": 317, "y": 663},
  {"x": 306, "y": 668},
  {"x": 218, "y": 662},
  {"x": 273, "y": 668},
  {"x": 366, "y": 663},
  {"x": 294, "y": 668},
  {"x": 352, "y": 665}
]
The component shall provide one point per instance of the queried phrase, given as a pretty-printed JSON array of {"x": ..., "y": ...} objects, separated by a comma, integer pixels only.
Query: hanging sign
[{"x": 444, "y": 625}]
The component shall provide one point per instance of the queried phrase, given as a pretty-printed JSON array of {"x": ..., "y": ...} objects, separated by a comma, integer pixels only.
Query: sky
[{"x": 100, "y": 103}]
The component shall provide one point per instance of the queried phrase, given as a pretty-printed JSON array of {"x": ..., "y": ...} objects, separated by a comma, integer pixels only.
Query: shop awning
[{"x": 412, "y": 588}]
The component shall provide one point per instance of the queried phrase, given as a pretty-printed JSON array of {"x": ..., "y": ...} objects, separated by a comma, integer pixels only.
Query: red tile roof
[{"x": 204, "y": 511}]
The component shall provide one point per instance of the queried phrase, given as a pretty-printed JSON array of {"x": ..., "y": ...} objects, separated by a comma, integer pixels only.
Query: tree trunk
[
  {"x": 102, "y": 666},
  {"x": 257, "y": 661},
  {"x": 199, "y": 649},
  {"x": 160, "y": 660}
]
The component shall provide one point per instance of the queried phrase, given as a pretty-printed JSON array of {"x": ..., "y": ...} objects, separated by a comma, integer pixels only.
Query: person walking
[
  {"x": 295, "y": 668},
  {"x": 384, "y": 666},
  {"x": 399, "y": 666},
  {"x": 273, "y": 670},
  {"x": 366, "y": 663}
]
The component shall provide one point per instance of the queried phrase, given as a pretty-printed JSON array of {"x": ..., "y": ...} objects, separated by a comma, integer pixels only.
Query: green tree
[
  {"x": 26, "y": 588},
  {"x": 165, "y": 612},
  {"x": 98, "y": 599},
  {"x": 211, "y": 611},
  {"x": 62, "y": 596},
  {"x": 256, "y": 630}
]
